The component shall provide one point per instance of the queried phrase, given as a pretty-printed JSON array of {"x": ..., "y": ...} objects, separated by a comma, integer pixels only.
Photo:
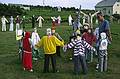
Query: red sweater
[{"x": 89, "y": 38}]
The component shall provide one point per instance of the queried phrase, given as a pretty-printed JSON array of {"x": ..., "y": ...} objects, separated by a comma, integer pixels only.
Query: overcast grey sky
[{"x": 86, "y": 4}]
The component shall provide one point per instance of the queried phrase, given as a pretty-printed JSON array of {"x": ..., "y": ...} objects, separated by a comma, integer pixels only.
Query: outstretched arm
[
  {"x": 58, "y": 42},
  {"x": 39, "y": 44},
  {"x": 71, "y": 44},
  {"x": 88, "y": 46}
]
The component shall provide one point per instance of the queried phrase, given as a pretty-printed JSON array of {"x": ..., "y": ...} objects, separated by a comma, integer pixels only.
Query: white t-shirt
[
  {"x": 35, "y": 38},
  {"x": 103, "y": 44}
]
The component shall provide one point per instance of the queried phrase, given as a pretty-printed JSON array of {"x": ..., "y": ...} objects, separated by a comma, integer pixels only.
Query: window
[
  {"x": 104, "y": 10},
  {"x": 109, "y": 11}
]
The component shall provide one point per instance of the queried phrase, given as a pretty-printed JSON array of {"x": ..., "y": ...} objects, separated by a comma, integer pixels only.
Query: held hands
[
  {"x": 94, "y": 49},
  {"x": 65, "y": 48},
  {"x": 35, "y": 48}
]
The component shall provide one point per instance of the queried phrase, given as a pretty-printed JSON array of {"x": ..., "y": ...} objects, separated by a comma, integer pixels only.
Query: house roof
[{"x": 106, "y": 3}]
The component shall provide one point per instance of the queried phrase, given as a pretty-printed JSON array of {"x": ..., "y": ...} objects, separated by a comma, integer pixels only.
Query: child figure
[
  {"x": 27, "y": 53},
  {"x": 35, "y": 39},
  {"x": 90, "y": 38},
  {"x": 103, "y": 52},
  {"x": 79, "y": 53}
]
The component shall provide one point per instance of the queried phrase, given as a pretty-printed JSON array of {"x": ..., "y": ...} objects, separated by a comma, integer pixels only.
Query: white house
[
  {"x": 21, "y": 6},
  {"x": 108, "y": 7},
  {"x": 25, "y": 8}
]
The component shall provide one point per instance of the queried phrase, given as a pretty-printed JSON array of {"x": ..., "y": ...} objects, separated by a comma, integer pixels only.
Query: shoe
[
  {"x": 70, "y": 59},
  {"x": 31, "y": 70},
  {"x": 24, "y": 69},
  {"x": 97, "y": 66},
  {"x": 35, "y": 59},
  {"x": 56, "y": 71}
]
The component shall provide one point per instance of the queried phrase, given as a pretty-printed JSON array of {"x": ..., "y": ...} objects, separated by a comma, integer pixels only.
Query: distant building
[
  {"x": 25, "y": 8},
  {"x": 21, "y": 6},
  {"x": 108, "y": 7}
]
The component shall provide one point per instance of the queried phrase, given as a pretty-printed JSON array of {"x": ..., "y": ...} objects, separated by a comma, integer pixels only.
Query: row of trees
[
  {"x": 15, "y": 10},
  {"x": 9, "y": 10}
]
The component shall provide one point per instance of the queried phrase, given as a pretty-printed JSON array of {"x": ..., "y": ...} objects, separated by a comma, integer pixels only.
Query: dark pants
[
  {"x": 58, "y": 51},
  {"x": 80, "y": 60},
  {"x": 46, "y": 62},
  {"x": 33, "y": 24}
]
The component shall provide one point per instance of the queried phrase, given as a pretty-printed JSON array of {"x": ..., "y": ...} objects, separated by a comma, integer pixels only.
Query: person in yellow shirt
[{"x": 49, "y": 44}]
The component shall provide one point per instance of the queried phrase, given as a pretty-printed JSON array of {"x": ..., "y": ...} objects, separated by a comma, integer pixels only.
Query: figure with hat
[
  {"x": 79, "y": 46},
  {"x": 90, "y": 38}
]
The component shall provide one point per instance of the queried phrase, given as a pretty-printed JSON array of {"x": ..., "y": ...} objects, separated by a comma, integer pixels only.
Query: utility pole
[{"x": 43, "y": 2}]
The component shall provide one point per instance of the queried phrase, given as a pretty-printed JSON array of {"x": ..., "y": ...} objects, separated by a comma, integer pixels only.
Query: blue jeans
[{"x": 80, "y": 60}]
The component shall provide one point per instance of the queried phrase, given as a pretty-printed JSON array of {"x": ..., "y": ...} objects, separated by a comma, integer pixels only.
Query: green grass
[{"x": 11, "y": 67}]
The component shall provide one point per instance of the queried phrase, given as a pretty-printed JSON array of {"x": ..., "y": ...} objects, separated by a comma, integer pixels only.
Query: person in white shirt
[
  {"x": 11, "y": 23},
  {"x": 35, "y": 39},
  {"x": 40, "y": 19},
  {"x": 4, "y": 20},
  {"x": 70, "y": 20},
  {"x": 102, "y": 54}
]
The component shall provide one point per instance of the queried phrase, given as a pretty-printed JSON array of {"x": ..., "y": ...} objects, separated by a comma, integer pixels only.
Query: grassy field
[{"x": 11, "y": 67}]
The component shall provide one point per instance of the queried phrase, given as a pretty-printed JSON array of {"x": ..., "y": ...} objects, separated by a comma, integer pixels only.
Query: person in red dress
[{"x": 27, "y": 53}]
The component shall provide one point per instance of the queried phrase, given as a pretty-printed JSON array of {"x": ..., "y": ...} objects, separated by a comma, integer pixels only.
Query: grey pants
[
  {"x": 89, "y": 55},
  {"x": 80, "y": 60},
  {"x": 102, "y": 60}
]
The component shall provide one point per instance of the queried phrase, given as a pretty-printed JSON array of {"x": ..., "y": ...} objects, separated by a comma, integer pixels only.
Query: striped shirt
[{"x": 79, "y": 46}]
